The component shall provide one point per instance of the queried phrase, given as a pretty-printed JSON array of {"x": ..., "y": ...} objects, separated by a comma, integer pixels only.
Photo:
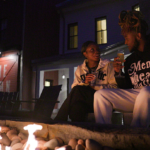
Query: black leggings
[{"x": 77, "y": 105}]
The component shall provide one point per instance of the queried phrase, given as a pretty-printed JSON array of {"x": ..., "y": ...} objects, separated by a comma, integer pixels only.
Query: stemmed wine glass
[{"x": 120, "y": 56}]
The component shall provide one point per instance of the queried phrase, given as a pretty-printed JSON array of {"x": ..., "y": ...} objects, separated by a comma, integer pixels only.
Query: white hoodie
[{"x": 104, "y": 78}]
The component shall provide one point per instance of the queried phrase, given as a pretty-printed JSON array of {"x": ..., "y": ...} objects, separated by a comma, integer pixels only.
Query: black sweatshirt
[{"x": 137, "y": 69}]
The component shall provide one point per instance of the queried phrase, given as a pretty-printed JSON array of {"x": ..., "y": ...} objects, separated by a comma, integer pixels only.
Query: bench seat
[{"x": 120, "y": 118}]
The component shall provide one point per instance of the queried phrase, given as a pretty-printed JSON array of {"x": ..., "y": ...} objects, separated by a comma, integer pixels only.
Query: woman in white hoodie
[{"x": 94, "y": 74}]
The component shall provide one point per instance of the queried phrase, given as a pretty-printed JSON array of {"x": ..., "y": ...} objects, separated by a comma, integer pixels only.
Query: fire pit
[{"x": 105, "y": 136}]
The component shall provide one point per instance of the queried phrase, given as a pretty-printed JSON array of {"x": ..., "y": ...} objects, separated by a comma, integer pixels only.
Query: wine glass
[
  {"x": 95, "y": 76},
  {"x": 120, "y": 56}
]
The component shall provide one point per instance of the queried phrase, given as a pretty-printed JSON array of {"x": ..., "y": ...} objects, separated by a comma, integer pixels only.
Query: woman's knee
[
  {"x": 100, "y": 93},
  {"x": 99, "y": 97},
  {"x": 82, "y": 89},
  {"x": 75, "y": 89},
  {"x": 78, "y": 87},
  {"x": 144, "y": 95},
  {"x": 145, "y": 90}
]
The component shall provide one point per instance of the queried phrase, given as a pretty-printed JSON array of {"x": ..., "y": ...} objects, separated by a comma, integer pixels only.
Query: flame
[
  {"x": 32, "y": 142},
  {"x": 62, "y": 148},
  {"x": 7, "y": 148}
]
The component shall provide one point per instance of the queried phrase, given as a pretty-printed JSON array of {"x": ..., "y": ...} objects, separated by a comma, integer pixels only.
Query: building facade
[
  {"x": 31, "y": 29},
  {"x": 81, "y": 21},
  {"x": 48, "y": 37}
]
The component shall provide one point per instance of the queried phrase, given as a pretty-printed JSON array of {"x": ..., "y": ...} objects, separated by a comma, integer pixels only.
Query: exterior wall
[
  {"x": 53, "y": 75},
  {"x": 64, "y": 67},
  {"x": 9, "y": 72},
  {"x": 144, "y": 6},
  {"x": 13, "y": 12},
  {"x": 56, "y": 74},
  {"x": 85, "y": 14},
  {"x": 41, "y": 38},
  {"x": 12, "y": 43},
  {"x": 33, "y": 28}
]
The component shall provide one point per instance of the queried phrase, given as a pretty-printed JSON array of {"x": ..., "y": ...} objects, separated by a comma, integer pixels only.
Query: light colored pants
[{"x": 126, "y": 100}]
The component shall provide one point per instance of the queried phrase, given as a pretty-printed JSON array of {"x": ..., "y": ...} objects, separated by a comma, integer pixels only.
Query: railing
[{"x": 8, "y": 102}]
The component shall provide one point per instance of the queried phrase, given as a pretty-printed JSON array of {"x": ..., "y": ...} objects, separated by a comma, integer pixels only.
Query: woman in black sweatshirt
[{"x": 134, "y": 89}]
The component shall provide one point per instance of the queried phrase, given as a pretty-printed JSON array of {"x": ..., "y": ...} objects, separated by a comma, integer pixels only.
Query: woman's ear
[
  {"x": 139, "y": 36},
  {"x": 84, "y": 53}
]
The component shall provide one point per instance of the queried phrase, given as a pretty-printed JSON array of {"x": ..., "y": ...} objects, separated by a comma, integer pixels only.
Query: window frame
[
  {"x": 72, "y": 25},
  {"x": 98, "y": 19}
]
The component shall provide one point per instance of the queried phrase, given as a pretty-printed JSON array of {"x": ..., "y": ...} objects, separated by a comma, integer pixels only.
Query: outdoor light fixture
[{"x": 63, "y": 76}]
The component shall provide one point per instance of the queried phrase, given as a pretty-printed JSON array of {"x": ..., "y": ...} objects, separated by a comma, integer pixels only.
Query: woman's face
[
  {"x": 131, "y": 41},
  {"x": 92, "y": 52}
]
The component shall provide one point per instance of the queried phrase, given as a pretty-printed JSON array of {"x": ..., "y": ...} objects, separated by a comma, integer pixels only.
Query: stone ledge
[{"x": 118, "y": 137}]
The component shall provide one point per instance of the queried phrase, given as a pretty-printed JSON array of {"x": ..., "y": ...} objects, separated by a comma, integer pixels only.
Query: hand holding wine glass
[{"x": 118, "y": 63}]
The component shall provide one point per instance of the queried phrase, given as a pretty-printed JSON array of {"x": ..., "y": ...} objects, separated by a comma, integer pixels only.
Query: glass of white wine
[{"x": 120, "y": 56}]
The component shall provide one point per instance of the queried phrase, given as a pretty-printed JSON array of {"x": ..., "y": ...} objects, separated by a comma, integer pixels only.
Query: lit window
[
  {"x": 136, "y": 7},
  {"x": 73, "y": 36},
  {"x": 48, "y": 82},
  {"x": 101, "y": 31}
]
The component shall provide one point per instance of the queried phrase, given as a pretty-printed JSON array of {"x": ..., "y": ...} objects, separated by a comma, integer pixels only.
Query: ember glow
[{"x": 32, "y": 142}]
